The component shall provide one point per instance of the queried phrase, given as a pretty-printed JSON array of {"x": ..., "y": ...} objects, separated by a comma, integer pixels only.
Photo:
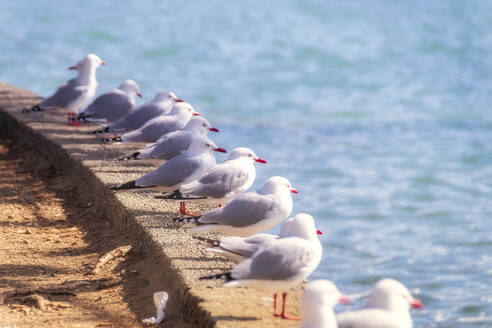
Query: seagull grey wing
[
  {"x": 111, "y": 106},
  {"x": 281, "y": 260},
  {"x": 245, "y": 246},
  {"x": 171, "y": 173},
  {"x": 244, "y": 210},
  {"x": 138, "y": 117},
  {"x": 171, "y": 146},
  {"x": 221, "y": 181},
  {"x": 63, "y": 96}
]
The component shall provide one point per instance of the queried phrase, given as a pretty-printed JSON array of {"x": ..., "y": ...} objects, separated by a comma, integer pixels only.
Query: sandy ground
[{"x": 48, "y": 236}]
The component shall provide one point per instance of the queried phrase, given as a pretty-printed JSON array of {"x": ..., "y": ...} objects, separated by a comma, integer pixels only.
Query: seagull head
[
  {"x": 393, "y": 296},
  {"x": 130, "y": 87},
  {"x": 200, "y": 124},
  {"x": 302, "y": 225},
  {"x": 183, "y": 109},
  {"x": 166, "y": 96},
  {"x": 321, "y": 293},
  {"x": 88, "y": 61},
  {"x": 203, "y": 144},
  {"x": 246, "y": 153},
  {"x": 278, "y": 184}
]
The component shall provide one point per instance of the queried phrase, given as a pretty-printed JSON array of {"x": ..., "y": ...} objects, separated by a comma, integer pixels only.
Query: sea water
[{"x": 379, "y": 112}]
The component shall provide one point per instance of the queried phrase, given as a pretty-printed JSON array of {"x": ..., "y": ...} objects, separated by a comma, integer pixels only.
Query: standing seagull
[
  {"x": 159, "y": 126},
  {"x": 317, "y": 304},
  {"x": 181, "y": 169},
  {"x": 388, "y": 307},
  {"x": 249, "y": 213},
  {"x": 113, "y": 104},
  {"x": 278, "y": 265},
  {"x": 238, "y": 249},
  {"x": 227, "y": 180},
  {"x": 173, "y": 143},
  {"x": 76, "y": 93},
  {"x": 138, "y": 116}
]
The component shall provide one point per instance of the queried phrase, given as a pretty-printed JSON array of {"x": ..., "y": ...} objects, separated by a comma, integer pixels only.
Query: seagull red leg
[
  {"x": 275, "y": 313},
  {"x": 285, "y": 315},
  {"x": 182, "y": 209}
]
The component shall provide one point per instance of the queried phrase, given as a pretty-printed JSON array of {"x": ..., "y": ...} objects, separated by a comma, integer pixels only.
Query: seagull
[
  {"x": 198, "y": 158},
  {"x": 159, "y": 126},
  {"x": 138, "y": 116},
  {"x": 113, "y": 104},
  {"x": 76, "y": 93},
  {"x": 278, "y": 265},
  {"x": 227, "y": 180},
  {"x": 387, "y": 307},
  {"x": 317, "y": 304},
  {"x": 238, "y": 249},
  {"x": 173, "y": 143},
  {"x": 249, "y": 213}
]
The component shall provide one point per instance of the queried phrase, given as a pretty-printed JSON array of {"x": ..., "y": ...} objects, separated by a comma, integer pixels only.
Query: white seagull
[
  {"x": 227, "y": 180},
  {"x": 138, "y": 116},
  {"x": 160, "y": 125},
  {"x": 317, "y": 304},
  {"x": 387, "y": 307},
  {"x": 278, "y": 265},
  {"x": 238, "y": 249},
  {"x": 249, "y": 213},
  {"x": 198, "y": 158},
  {"x": 76, "y": 93},
  {"x": 112, "y": 105},
  {"x": 173, "y": 143}
]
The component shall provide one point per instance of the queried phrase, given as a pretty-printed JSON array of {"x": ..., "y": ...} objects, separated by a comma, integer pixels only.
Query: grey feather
[
  {"x": 64, "y": 95},
  {"x": 110, "y": 106},
  {"x": 138, "y": 116},
  {"x": 242, "y": 211},
  {"x": 281, "y": 260},
  {"x": 174, "y": 172}
]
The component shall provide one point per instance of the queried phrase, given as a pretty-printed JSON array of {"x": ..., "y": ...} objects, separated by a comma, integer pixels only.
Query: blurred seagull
[
  {"x": 388, "y": 306},
  {"x": 317, "y": 304},
  {"x": 76, "y": 93},
  {"x": 113, "y": 104},
  {"x": 160, "y": 125},
  {"x": 173, "y": 143},
  {"x": 138, "y": 116}
]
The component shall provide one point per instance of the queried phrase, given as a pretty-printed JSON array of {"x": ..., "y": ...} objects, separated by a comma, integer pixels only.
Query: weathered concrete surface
[{"x": 181, "y": 259}]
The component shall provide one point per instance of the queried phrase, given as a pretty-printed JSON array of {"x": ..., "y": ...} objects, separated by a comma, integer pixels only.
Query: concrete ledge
[{"x": 176, "y": 253}]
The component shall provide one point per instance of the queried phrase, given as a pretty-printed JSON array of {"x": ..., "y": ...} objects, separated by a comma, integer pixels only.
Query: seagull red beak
[
  {"x": 260, "y": 160},
  {"x": 319, "y": 232},
  {"x": 294, "y": 191},
  {"x": 179, "y": 100},
  {"x": 220, "y": 150},
  {"x": 417, "y": 304},
  {"x": 344, "y": 299},
  {"x": 214, "y": 129},
  {"x": 73, "y": 67},
  {"x": 196, "y": 114},
  {"x": 139, "y": 94}
]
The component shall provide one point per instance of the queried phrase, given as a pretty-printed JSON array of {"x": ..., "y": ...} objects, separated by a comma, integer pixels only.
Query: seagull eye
[
  {"x": 249, "y": 155},
  {"x": 208, "y": 145},
  {"x": 204, "y": 125}
]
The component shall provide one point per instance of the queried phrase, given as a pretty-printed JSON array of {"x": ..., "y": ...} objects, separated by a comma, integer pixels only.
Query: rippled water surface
[{"x": 378, "y": 111}]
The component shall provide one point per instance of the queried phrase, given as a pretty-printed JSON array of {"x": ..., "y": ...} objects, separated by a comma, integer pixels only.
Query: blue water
[{"x": 379, "y": 112}]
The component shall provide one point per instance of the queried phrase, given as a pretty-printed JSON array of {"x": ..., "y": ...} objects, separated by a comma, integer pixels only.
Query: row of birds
[{"x": 178, "y": 135}]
